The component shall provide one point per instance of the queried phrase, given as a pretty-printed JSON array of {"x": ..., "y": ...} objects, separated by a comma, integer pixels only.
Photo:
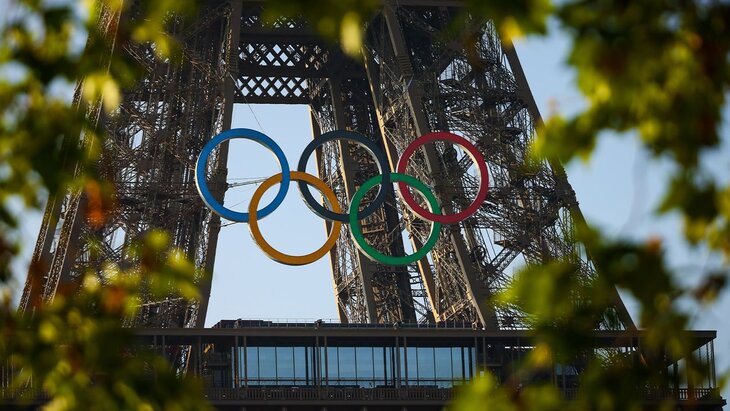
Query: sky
[
  {"x": 618, "y": 190},
  {"x": 621, "y": 186}
]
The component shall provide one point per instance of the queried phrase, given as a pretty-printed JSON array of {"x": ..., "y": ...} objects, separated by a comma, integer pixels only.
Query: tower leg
[{"x": 382, "y": 293}]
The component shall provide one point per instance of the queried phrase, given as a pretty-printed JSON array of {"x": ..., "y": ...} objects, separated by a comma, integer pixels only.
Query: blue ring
[
  {"x": 247, "y": 134},
  {"x": 372, "y": 148}
]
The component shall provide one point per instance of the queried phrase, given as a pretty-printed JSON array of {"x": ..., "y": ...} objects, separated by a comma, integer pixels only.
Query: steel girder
[
  {"x": 153, "y": 142},
  {"x": 413, "y": 80}
]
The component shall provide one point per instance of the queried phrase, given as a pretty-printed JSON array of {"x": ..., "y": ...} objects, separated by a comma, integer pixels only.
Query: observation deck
[{"x": 277, "y": 365}]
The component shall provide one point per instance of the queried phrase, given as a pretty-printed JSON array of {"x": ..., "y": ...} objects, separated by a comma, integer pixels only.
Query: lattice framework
[{"x": 413, "y": 79}]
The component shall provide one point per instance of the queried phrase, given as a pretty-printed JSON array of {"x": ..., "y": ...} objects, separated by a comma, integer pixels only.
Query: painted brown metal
[{"x": 413, "y": 79}]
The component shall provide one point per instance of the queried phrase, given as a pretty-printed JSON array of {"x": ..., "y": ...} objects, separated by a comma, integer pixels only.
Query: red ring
[{"x": 476, "y": 157}]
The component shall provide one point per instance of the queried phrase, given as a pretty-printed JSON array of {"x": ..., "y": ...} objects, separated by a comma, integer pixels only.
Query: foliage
[
  {"x": 654, "y": 70},
  {"x": 75, "y": 347},
  {"x": 658, "y": 71}
]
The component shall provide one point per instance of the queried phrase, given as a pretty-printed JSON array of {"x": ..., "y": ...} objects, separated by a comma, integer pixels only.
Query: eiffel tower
[{"x": 411, "y": 80}]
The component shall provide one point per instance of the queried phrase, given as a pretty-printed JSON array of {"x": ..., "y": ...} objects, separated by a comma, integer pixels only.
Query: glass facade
[
  {"x": 366, "y": 367},
  {"x": 393, "y": 365},
  {"x": 276, "y": 365}
]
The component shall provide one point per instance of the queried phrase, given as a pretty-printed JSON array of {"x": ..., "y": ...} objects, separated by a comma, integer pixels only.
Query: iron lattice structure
[{"x": 413, "y": 79}]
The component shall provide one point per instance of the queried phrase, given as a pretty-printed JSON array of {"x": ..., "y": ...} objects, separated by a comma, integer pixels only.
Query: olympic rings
[
  {"x": 246, "y": 134},
  {"x": 476, "y": 157},
  {"x": 371, "y": 252},
  {"x": 372, "y": 149},
  {"x": 277, "y": 255},
  {"x": 335, "y": 213}
]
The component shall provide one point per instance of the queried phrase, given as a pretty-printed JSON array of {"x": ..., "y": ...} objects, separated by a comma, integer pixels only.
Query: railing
[
  {"x": 293, "y": 393},
  {"x": 329, "y": 394},
  {"x": 402, "y": 394},
  {"x": 683, "y": 394},
  {"x": 655, "y": 394},
  {"x": 335, "y": 323},
  {"x": 25, "y": 394}
]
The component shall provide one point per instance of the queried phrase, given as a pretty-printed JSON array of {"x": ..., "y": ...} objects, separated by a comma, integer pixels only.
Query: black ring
[{"x": 380, "y": 159}]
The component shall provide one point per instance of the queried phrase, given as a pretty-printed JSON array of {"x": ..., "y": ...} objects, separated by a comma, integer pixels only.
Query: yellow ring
[{"x": 278, "y": 255}]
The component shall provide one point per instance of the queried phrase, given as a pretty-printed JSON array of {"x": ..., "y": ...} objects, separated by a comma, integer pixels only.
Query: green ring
[{"x": 371, "y": 252}]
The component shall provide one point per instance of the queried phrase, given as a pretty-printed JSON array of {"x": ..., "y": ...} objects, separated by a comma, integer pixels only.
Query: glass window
[
  {"x": 362, "y": 366},
  {"x": 285, "y": 365},
  {"x": 333, "y": 373},
  {"x": 365, "y": 366},
  {"x": 241, "y": 365},
  {"x": 300, "y": 365},
  {"x": 457, "y": 359},
  {"x": 412, "y": 363},
  {"x": 444, "y": 373},
  {"x": 426, "y": 373},
  {"x": 315, "y": 372},
  {"x": 252, "y": 363},
  {"x": 381, "y": 364},
  {"x": 267, "y": 365},
  {"x": 347, "y": 364},
  {"x": 402, "y": 360}
]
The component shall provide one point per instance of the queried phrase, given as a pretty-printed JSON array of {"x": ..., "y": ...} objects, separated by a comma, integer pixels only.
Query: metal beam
[
  {"x": 478, "y": 294},
  {"x": 214, "y": 226},
  {"x": 561, "y": 176},
  {"x": 364, "y": 265}
]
